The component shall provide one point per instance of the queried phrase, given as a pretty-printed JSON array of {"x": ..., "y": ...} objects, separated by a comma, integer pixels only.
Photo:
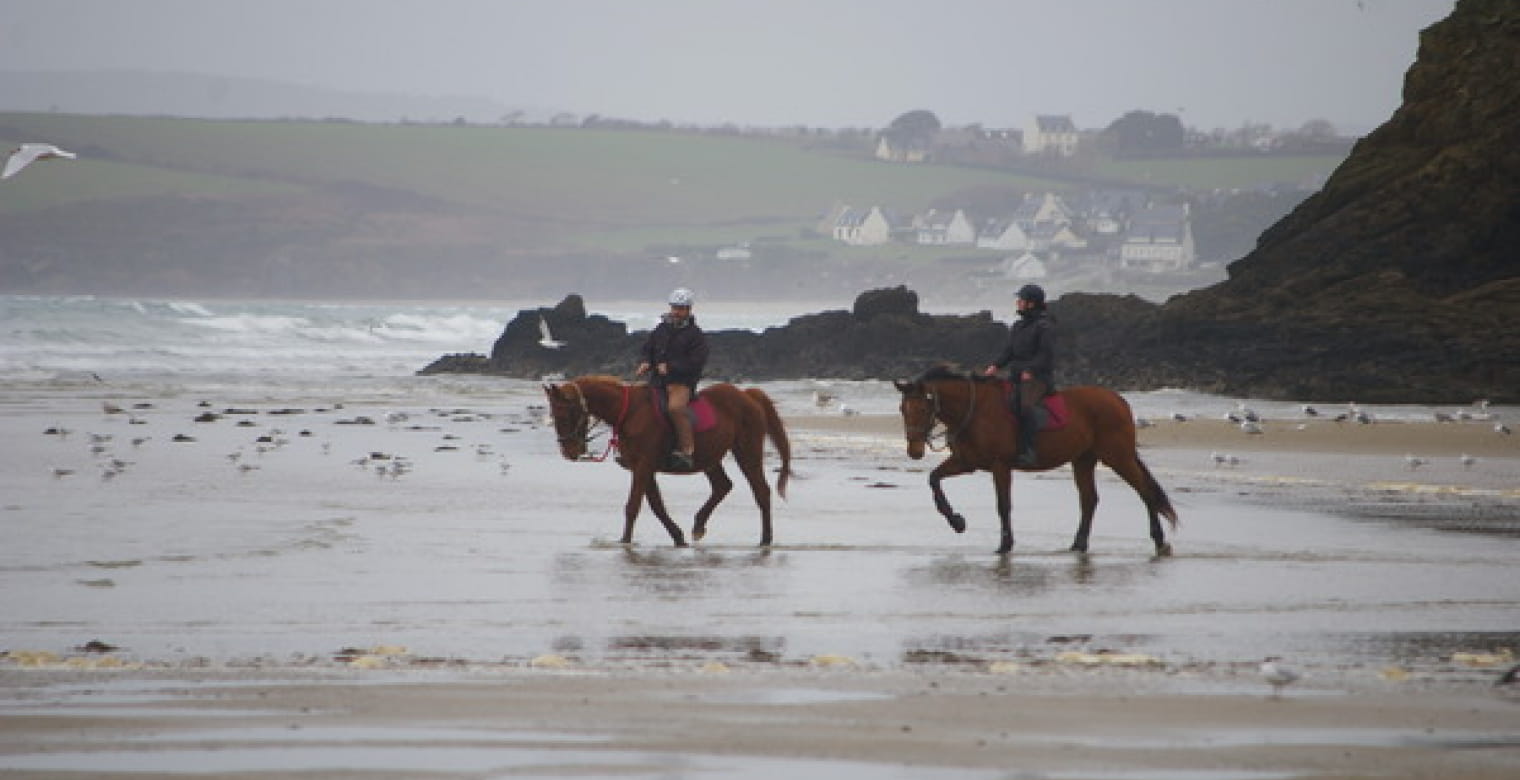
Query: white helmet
[{"x": 681, "y": 297}]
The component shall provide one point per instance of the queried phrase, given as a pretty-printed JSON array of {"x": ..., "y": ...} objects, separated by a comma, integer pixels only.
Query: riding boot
[
  {"x": 1029, "y": 424},
  {"x": 680, "y": 458}
]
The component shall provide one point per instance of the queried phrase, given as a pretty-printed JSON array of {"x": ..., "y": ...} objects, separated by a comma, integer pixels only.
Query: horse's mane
[
  {"x": 600, "y": 379},
  {"x": 946, "y": 371}
]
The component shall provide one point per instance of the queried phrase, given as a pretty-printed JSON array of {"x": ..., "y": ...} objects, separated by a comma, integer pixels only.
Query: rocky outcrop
[{"x": 882, "y": 336}]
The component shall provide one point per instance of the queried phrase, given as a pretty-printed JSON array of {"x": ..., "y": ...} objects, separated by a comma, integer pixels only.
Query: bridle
[
  {"x": 949, "y": 436},
  {"x": 581, "y": 432}
]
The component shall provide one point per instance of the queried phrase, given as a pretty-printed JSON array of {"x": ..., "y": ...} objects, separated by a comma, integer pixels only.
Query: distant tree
[
  {"x": 1139, "y": 133},
  {"x": 919, "y": 125}
]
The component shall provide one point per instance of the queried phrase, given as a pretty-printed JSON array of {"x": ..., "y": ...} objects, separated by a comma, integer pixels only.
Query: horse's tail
[
  {"x": 777, "y": 431},
  {"x": 1158, "y": 497}
]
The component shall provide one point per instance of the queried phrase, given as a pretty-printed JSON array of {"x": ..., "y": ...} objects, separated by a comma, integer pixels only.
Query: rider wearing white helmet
[{"x": 676, "y": 353}]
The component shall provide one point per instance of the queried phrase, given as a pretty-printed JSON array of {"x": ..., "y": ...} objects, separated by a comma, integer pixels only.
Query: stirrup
[
  {"x": 680, "y": 461},
  {"x": 1027, "y": 458}
]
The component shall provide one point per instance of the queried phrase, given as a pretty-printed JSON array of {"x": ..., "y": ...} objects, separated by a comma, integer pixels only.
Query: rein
[
  {"x": 583, "y": 427},
  {"x": 950, "y": 435}
]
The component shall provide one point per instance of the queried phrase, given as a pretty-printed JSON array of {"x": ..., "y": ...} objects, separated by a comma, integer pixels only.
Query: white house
[
  {"x": 734, "y": 252},
  {"x": 945, "y": 229},
  {"x": 1046, "y": 209},
  {"x": 1054, "y": 235},
  {"x": 1023, "y": 266},
  {"x": 1054, "y": 136},
  {"x": 1004, "y": 234},
  {"x": 1159, "y": 239},
  {"x": 909, "y": 151},
  {"x": 863, "y": 227}
]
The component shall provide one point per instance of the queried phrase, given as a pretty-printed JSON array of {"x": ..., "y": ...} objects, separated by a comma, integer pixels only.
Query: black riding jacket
[
  {"x": 684, "y": 347},
  {"x": 1031, "y": 347}
]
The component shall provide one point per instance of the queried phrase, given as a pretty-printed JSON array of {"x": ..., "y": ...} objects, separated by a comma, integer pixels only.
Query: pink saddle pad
[
  {"x": 1055, "y": 405},
  {"x": 704, "y": 416}
]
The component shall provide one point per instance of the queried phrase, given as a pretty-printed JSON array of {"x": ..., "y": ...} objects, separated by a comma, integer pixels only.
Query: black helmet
[{"x": 1033, "y": 293}]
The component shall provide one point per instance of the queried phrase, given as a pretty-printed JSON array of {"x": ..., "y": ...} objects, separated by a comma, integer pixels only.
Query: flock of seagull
[
  {"x": 271, "y": 439},
  {"x": 1250, "y": 422}
]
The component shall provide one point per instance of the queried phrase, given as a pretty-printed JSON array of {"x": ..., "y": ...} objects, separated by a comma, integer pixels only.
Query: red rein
[{"x": 612, "y": 441}]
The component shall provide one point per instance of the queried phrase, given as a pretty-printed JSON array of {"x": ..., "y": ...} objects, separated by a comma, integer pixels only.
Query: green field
[{"x": 608, "y": 188}]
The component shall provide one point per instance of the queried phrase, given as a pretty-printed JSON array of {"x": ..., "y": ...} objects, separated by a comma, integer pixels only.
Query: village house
[
  {"x": 1106, "y": 212},
  {"x": 1054, "y": 136},
  {"x": 940, "y": 228},
  {"x": 1046, "y": 209},
  {"x": 863, "y": 227},
  {"x": 1025, "y": 266},
  {"x": 911, "y": 150},
  {"x": 1004, "y": 234},
  {"x": 1159, "y": 239}
]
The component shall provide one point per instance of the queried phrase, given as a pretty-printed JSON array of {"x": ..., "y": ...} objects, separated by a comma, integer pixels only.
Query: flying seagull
[
  {"x": 547, "y": 340},
  {"x": 26, "y": 154}
]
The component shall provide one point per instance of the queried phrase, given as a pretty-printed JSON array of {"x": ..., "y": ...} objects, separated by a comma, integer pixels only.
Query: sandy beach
[{"x": 420, "y": 587}]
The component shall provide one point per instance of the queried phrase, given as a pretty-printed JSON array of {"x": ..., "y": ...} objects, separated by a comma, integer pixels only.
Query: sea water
[{"x": 323, "y": 347}]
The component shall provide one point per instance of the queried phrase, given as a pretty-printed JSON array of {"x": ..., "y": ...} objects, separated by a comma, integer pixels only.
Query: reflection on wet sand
[{"x": 1009, "y": 575}]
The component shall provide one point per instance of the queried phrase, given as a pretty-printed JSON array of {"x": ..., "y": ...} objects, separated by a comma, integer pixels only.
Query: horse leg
[
  {"x": 754, "y": 472},
  {"x": 1082, "y": 469},
  {"x": 657, "y": 505},
  {"x": 1002, "y": 485},
  {"x": 952, "y": 467},
  {"x": 636, "y": 486},
  {"x": 1134, "y": 474},
  {"x": 721, "y": 484}
]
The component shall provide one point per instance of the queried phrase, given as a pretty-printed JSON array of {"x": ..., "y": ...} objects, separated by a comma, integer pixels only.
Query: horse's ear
[
  {"x": 551, "y": 390},
  {"x": 902, "y": 387}
]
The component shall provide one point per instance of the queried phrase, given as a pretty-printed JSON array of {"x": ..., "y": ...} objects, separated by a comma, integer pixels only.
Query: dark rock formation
[
  {"x": 1399, "y": 282},
  {"x": 883, "y": 336}
]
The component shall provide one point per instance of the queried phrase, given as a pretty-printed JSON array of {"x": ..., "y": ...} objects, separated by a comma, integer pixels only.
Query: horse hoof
[
  {"x": 957, "y": 523},
  {"x": 697, "y": 534},
  {"x": 1079, "y": 548},
  {"x": 1164, "y": 550}
]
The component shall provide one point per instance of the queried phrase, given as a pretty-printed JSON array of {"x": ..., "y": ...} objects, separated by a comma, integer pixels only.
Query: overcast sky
[{"x": 820, "y": 63}]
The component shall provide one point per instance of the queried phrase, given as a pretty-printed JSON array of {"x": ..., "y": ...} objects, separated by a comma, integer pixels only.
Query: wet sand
[{"x": 311, "y": 610}]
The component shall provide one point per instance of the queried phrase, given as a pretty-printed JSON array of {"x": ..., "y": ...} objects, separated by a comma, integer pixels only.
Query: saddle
[
  {"x": 701, "y": 412},
  {"x": 1055, "y": 415}
]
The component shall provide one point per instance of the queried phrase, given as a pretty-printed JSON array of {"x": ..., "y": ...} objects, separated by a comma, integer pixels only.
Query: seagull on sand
[
  {"x": 1508, "y": 684},
  {"x": 1278, "y": 674},
  {"x": 26, "y": 154},
  {"x": 1414, "y": 461},
  {"x": 1501, "y": 428},
  {"x": 546, "y": 338},
  {"x": 1467, "y": 460}
]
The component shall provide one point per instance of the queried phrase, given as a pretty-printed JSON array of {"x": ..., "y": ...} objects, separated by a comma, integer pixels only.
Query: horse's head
[
  {"x": 572, "y": 420},
  {"x": 918, "y": 409}
]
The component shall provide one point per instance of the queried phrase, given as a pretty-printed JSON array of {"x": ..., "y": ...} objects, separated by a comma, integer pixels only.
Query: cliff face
[{"x": 1401, "y": 279}]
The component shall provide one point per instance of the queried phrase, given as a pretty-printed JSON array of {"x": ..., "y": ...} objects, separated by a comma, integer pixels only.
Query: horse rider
[
  {"x": 1030, "y": 357},
  {"x": 676, "y": 353}
]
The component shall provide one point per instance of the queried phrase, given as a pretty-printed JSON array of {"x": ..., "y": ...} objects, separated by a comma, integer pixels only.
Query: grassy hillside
[{"x": 323, "y": 206}]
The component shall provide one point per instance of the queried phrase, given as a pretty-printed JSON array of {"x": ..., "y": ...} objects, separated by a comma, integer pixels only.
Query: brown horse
[
  {"x": 641, "y": 434},
  {"x": 982, "y": 434}
]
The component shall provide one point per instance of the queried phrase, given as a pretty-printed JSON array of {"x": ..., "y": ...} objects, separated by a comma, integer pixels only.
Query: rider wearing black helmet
[{"x": 1030, "y": 358}]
